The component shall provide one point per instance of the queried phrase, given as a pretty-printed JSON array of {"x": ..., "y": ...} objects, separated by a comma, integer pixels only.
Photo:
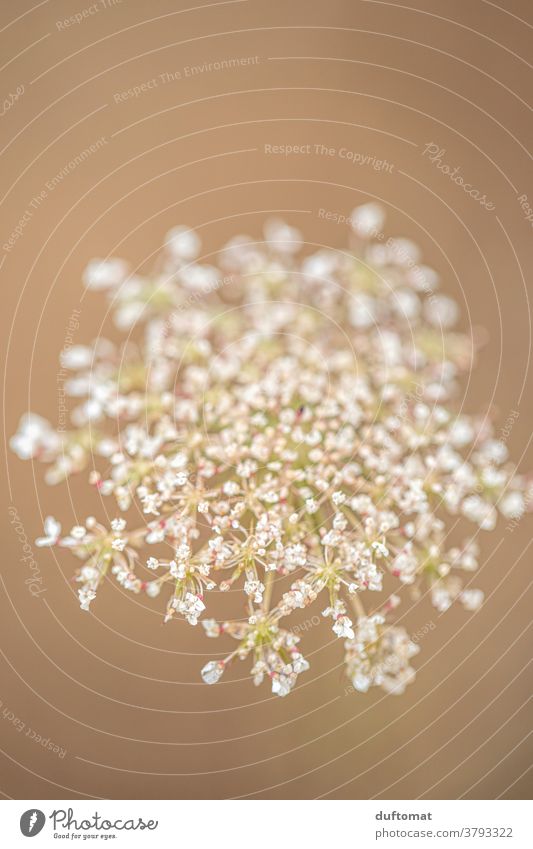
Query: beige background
[{"x": 119, "y": 692}]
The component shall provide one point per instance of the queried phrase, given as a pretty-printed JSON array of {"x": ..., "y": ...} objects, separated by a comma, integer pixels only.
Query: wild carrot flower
[{"x": 286, "y": 418}]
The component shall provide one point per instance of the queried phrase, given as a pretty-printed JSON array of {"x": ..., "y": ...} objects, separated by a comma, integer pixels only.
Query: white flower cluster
[
  {"x": 273, "y": 651},
  {"x": 379, "y": 656},
  {"x": 291, "y": 434}
]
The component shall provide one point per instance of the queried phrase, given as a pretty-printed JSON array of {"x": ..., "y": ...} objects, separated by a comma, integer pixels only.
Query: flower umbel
[{"x": 290, "y": 434}]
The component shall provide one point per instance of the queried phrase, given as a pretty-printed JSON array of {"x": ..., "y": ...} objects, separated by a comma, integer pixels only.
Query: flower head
[{"x": 302, "y": 446}]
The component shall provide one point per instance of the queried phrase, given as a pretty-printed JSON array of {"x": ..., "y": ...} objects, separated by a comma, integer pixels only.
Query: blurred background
[{"x": 171, "y": 113}]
